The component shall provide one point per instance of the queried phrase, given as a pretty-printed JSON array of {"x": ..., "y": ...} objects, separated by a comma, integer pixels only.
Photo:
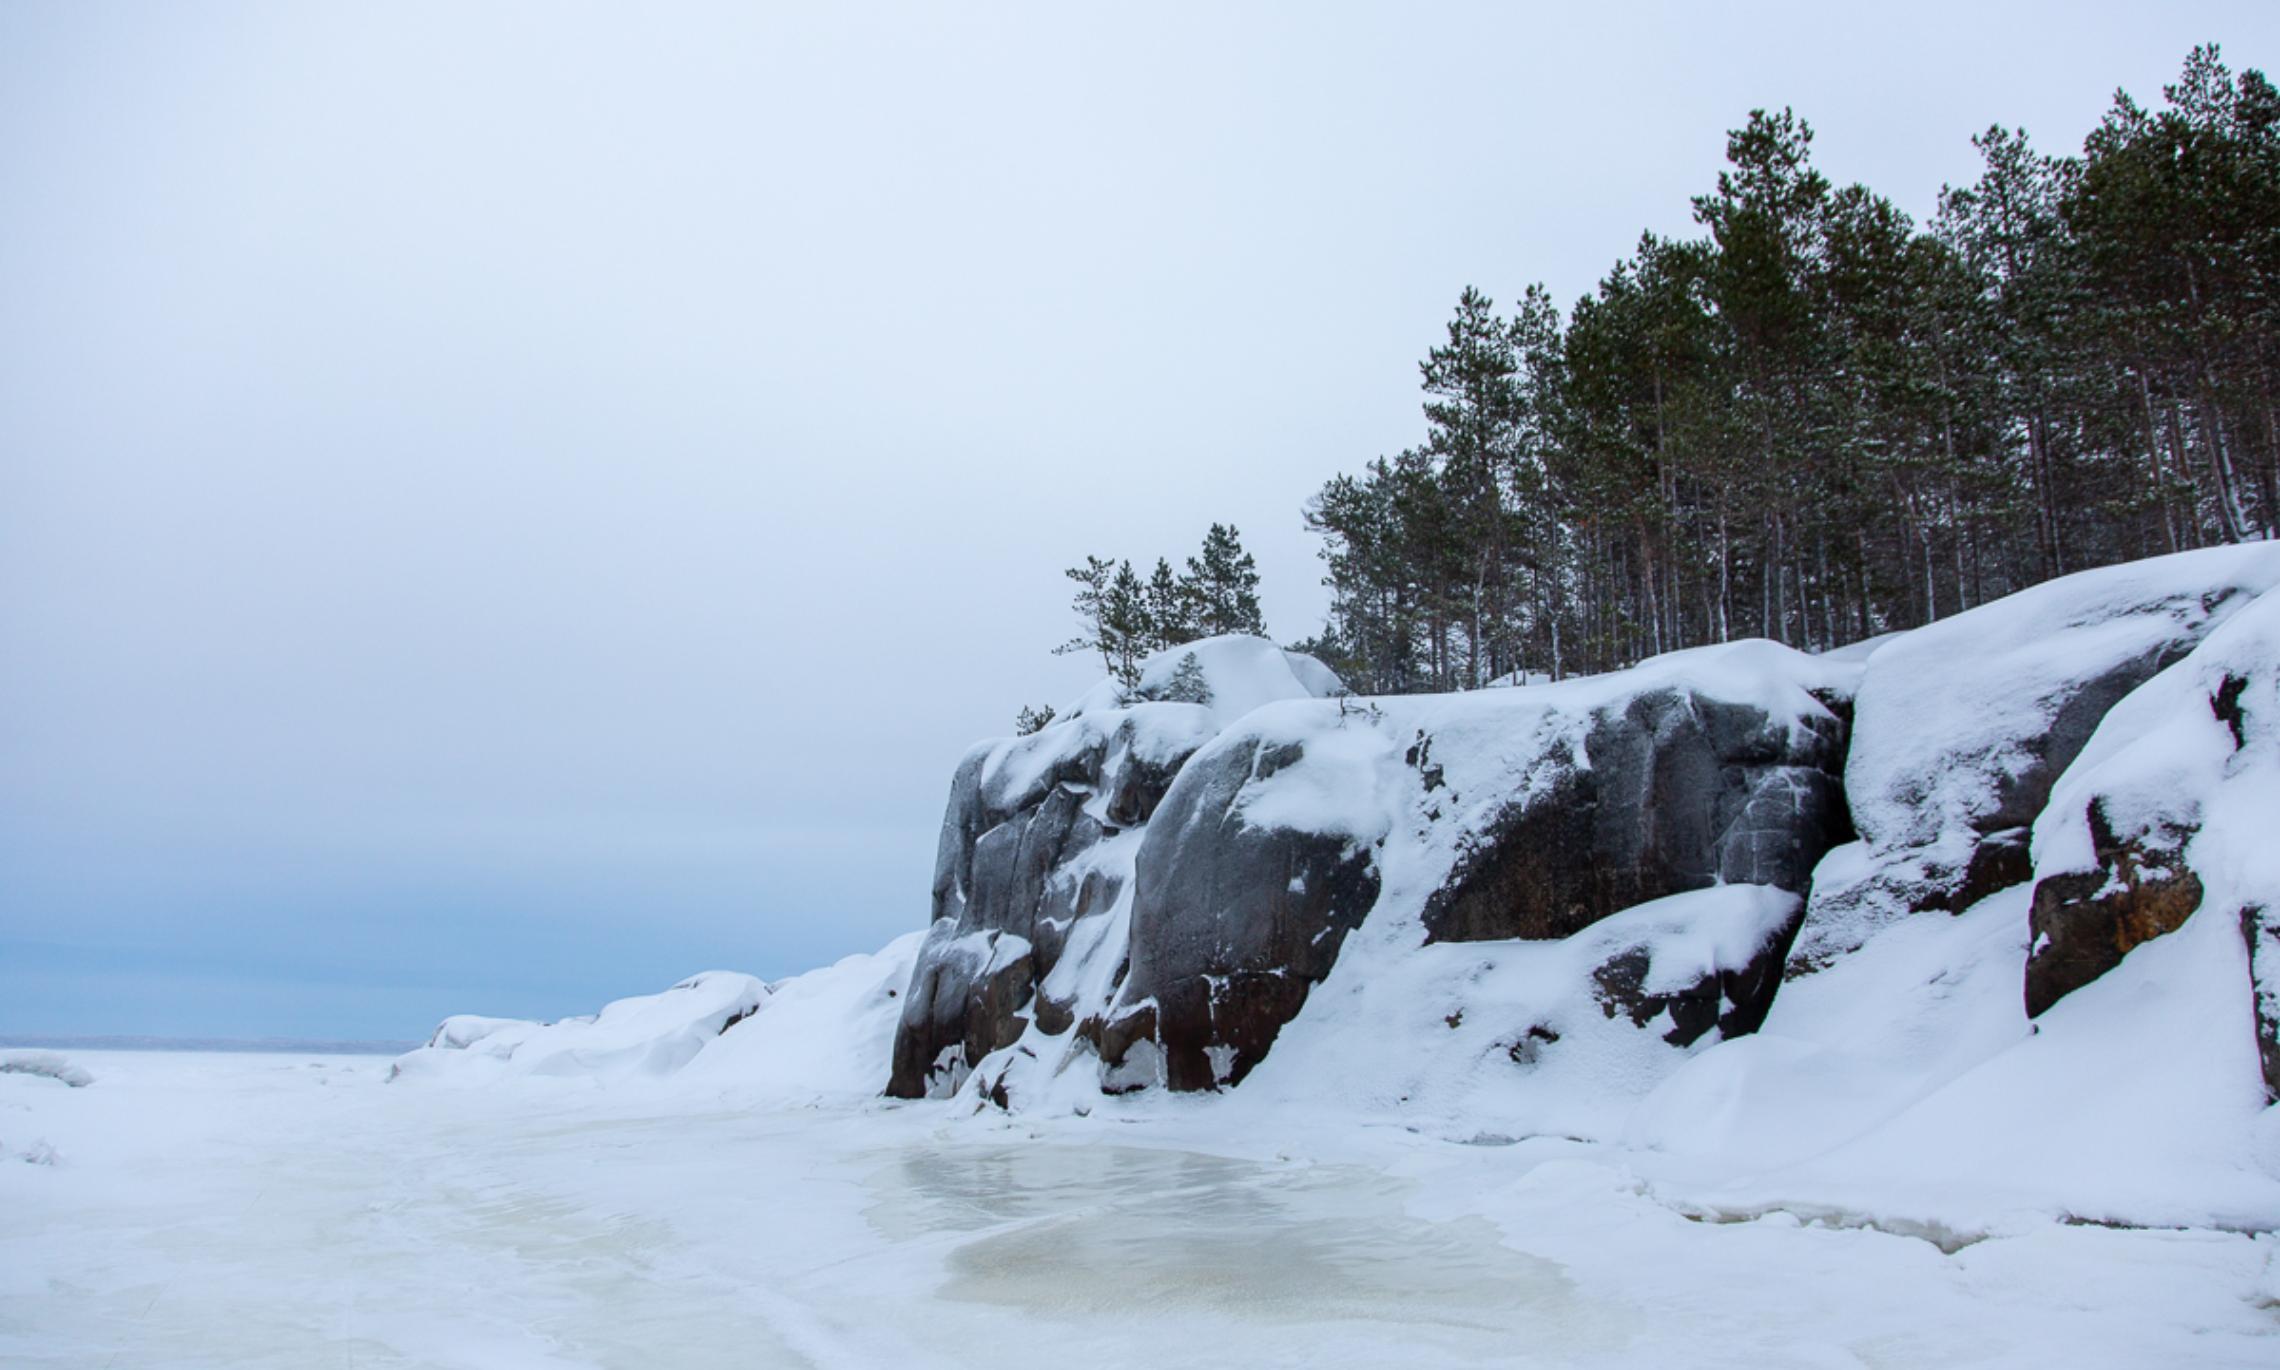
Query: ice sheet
[{"x": 281, "y": 1211}]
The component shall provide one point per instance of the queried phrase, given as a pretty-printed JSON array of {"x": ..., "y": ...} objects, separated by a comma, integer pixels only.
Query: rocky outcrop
[
  {"x": 1532, "y": 814},
  {"x": 1004, "y": 897},
  {"x": 1588, "y": 880},
  {"x": 1175, "y": 912},
  {"x": 1667, "y": 791}
]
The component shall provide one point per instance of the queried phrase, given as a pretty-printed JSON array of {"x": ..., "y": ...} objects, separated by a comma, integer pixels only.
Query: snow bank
[
  {"x": 824, "y": 1034},
  {"x": 1905, "y": 1087},
  {"x": 1846, "y": 1050},
  {"x": 647, "y": 1035},
  {"x": 1489, "y": 1041}
]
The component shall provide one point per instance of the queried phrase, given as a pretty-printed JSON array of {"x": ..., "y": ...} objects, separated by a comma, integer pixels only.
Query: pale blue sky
[{"x": 504, "y": 506}]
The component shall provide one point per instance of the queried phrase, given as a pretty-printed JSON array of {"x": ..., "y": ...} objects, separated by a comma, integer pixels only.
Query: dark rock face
[
  {"x": 1232, "y": 925},
  {"x": 994, "y": 877},
  {"x": 2085, "y": 922},
  {"x": 1733, "y": 1000},
  {"x": 1681, "y": 792}
]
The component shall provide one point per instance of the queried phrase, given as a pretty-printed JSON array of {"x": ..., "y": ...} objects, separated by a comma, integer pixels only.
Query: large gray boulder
[{"x": 1235, "y": 915}]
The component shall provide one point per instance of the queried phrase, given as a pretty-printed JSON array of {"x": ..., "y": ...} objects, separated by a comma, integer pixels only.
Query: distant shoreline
[{"x": 304, "y": 1046}]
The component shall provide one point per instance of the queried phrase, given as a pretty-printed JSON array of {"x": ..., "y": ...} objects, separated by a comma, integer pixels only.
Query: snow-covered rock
[
  {"x": 1960, "y": 729},
  {"x": 1038, "y": 840},
  {"x": 1530, "y": 813},
  {"x": 1238, "y": 673},
  {"x": 2171, "y": 812},
  {"x": 1646, "y": 783}
]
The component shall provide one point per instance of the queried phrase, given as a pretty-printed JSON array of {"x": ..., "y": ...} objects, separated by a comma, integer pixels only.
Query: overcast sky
[{"x": 502, "y": 507}]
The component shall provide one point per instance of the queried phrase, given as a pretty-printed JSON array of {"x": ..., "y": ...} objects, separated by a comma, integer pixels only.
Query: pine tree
[
  {"x": 1764, "y": 220},
  {"x": 1127, "y": 631},
  {"x": 1171, "y": 609},
  {"x": 1091, "y": 605},
  {"x": 1472, "y": 415},
  {"x": 1222, "y": 585}
]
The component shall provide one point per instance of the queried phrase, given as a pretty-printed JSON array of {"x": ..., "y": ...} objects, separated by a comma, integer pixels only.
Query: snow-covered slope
[{"x": 1907, "y": 1079}]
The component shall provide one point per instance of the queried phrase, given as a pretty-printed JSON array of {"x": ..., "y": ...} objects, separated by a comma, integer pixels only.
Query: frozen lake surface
[{"x": 295, "y": 1211}]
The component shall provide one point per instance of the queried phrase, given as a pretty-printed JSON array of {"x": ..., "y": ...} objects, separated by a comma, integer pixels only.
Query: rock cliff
[{"x": 1529, "y": 906}]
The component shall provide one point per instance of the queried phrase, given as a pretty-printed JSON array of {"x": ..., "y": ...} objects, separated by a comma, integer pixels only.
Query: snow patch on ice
[{"x": 47, "y": 1064}]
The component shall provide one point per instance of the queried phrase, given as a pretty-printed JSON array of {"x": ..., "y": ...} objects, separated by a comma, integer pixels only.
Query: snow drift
[
  {"x": 822, "y": 1034},
  {"x": 651, "y": 1034}
]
